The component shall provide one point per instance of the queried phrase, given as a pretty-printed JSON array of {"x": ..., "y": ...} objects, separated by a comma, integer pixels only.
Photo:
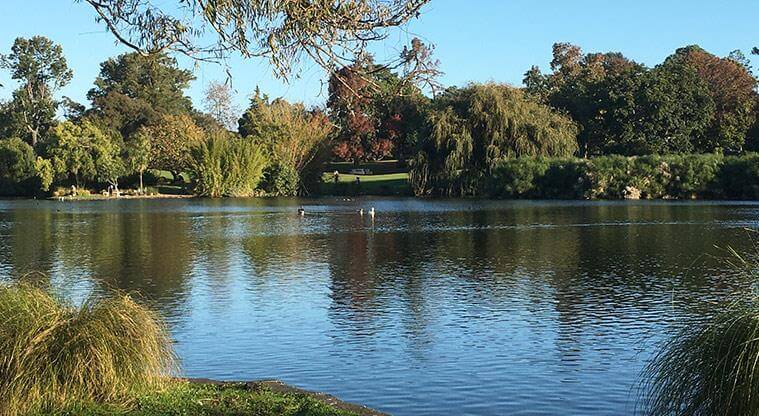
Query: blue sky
[{"x": 476, "y": 40}]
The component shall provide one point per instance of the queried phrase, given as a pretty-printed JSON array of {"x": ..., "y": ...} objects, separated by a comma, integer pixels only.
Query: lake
[{"x": 434, "y": 307}]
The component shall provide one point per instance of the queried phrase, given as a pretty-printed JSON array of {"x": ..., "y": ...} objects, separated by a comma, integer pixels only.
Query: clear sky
[{"x": 476, "y": 40}]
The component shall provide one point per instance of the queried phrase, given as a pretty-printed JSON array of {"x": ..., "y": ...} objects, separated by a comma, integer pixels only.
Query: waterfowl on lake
[{"x": 301, "y": 211}]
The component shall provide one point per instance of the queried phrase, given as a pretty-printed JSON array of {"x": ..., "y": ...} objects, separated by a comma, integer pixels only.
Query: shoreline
[
  {"x": 279, "y": 387},
  {"x": 112, "y": 198}
]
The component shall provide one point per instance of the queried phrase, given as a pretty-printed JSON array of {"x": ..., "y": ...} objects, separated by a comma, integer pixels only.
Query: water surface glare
[{"x": 435, "y": 307}]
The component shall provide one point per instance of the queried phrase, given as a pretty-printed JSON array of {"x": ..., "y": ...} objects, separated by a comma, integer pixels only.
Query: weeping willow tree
[{"x": 471, "y": 129}]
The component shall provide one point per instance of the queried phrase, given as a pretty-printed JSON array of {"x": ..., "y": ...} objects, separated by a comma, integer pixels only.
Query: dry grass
[{"x": 53, "y": 354}]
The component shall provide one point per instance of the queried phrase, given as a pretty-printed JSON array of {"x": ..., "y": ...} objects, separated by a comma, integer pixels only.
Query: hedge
[{"x": 690, "y": 176}]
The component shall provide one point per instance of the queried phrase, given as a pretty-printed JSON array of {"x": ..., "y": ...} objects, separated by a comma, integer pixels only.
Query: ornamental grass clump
[
  {"x": 53, "y": 354},
  {"x": 710, "y": 368}
]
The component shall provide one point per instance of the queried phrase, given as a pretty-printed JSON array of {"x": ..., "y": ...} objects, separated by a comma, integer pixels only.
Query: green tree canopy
[
  {"x": 692, "y": 102},
  {"x": 133, "y": 90},
  {"x": 83, "y": 152},
  {"x": 39, "y": 66},
  {"x": 16, "y": 160}
]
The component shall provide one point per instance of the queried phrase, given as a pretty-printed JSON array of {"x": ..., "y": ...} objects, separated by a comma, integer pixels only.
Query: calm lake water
[{"x": 435, "y": 307}]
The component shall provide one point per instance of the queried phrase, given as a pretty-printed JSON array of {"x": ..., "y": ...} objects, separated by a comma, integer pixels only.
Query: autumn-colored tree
[
  {"x": 350, "y": 106},
  {"x": 732, "y": 89},
  {"x": 171, "y": 139},
  {"x": 376, "y": 112}
]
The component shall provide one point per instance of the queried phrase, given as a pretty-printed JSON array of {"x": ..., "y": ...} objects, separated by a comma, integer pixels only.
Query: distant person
[
  {"x": 336, "y": 176},
  {"x": 358, "y": 180}
]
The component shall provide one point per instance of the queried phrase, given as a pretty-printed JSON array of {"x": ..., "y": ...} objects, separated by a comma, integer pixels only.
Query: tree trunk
[
  {"x": 35, "y": 135},
  {"x": 142, "y": 189}
]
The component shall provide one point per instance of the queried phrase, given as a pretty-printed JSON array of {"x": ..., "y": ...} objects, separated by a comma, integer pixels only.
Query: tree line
[
  {"x": 140, "y": 118},
  {"x": 451, "y": 140}
]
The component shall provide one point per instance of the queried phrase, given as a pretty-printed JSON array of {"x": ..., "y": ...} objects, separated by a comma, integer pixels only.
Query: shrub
[
  {"x": 694, "y": 175},
  {"x": 280, "y": 180},
  {"x": 45, "y": 173},
  {"x": 16, "y": 165},
  {"x": 16, "y": 160},
  {"x": 565, "y": 178},
  {"x": 614, "y": 177},
  {"x": 739, "y": 178},
  {"x": 518, "y": 177},
  {"x": 53, "y": 354},
  {"x": 227, "y": 167},
  {"x": 608, "y": 177}
]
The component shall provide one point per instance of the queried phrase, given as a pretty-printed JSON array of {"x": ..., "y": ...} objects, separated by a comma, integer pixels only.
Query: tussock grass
[
  {"x": 53, "y": 354},
  {"x": 711, "y": 368}
]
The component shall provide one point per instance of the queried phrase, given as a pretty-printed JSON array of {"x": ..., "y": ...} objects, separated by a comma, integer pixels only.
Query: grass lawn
[
  {"x": 188, "y": 399},
  {"x": 381, "y": 167},
  {"x": 387, "y": 184}
]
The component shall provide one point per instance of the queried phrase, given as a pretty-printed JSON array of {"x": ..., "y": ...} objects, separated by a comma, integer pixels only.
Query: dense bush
[
  {"x": 296, "y": 142},
  {"x": 16, "y": 166},
  {"x": 280, "y": 180},
  {"x": 53, "y": 354},
  {"x": 227, "y": 166},
  {"x": 616, "y": 177}
]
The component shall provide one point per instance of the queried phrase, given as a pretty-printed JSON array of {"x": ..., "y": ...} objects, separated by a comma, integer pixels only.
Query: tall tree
[
  {"x": 218, "y": 102},
  {"x": 373, "y": 108},
  {"x": 595, "y": 89},
  {"x": 350, "y": 104},
  {"x": 693, "y": 102},
  {"x": 732, "y": 88},
  {"x": 138, "y": 154},
  {"x": 132, "y": 90},
  {"x": 83, "y": 152},
  {"x": 39, "y": 66}
]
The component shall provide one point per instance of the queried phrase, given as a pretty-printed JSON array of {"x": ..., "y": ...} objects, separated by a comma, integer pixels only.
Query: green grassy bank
[
  {"x": 390, "y": 184},
  {"x": 184, "y": 398}
]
